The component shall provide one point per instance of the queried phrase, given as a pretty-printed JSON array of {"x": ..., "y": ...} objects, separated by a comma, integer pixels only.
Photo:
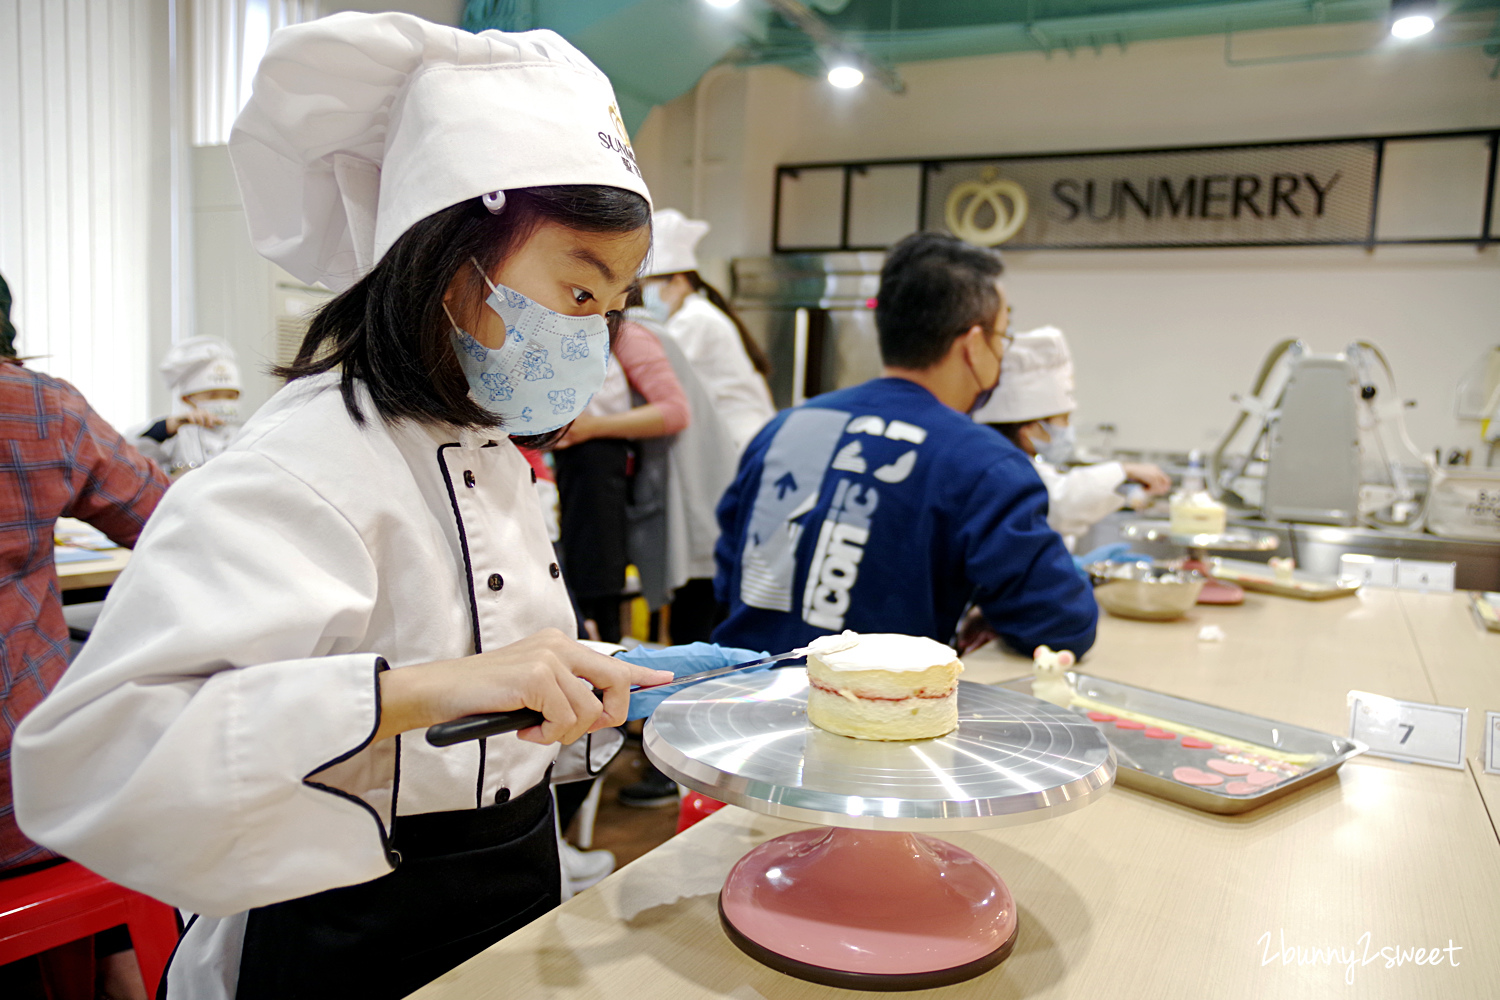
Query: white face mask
[
  {"x": 654, "y": 304},
  {"x": 1058, "y": 448},
  {"x": 227, "y": 410},
  {"x": 547, "y": 370}
]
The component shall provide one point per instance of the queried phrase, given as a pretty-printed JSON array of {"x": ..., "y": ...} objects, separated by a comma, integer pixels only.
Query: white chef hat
[
  {"x": 1036, "y": 380},
  {"x": 199, "y": 364},
  {"x": 673, "y": 239},
  {"x": 360, "y": 125}
]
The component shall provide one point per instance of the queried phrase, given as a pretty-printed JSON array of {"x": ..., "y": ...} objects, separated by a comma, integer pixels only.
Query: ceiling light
[
  {"x": 845, "y": 77},
  {"x": 722, "y": 3},
  {"x": 1411, "y": 18},
  {"x": 1412, "y": 26}
]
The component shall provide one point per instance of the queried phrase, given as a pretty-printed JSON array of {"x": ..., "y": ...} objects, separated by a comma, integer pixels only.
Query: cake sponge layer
[
  {"x": 907, "y": 719},
  {"x": 852, "y": 693}
]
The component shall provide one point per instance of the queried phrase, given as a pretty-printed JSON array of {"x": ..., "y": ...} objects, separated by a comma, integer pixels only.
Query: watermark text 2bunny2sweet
[{"x": 1360, "y": 955}]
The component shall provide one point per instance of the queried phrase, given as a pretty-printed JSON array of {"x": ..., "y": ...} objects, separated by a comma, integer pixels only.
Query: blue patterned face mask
[
  {"x": 653, "y": 303},
  {"x": 547, "y": 370}
]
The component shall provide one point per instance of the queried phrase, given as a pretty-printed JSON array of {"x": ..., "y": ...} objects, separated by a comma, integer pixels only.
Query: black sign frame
[{"x": 928, "y": 165}]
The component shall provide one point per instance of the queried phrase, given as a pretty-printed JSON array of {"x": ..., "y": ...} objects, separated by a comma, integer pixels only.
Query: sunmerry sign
[{"x": 1245, "y": 196}]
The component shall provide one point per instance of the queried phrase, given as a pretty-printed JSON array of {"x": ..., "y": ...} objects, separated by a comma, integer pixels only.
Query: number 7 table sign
[
  {"x": 1409, "y": 730},
  {"x": 1492, "y": 742}
]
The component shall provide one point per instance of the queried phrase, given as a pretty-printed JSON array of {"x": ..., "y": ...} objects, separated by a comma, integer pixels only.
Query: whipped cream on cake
[{"x": 882, "y": 686}]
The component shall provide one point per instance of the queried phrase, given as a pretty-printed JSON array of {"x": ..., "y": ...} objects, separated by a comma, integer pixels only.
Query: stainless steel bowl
[{"x": 1145, "y": 591}]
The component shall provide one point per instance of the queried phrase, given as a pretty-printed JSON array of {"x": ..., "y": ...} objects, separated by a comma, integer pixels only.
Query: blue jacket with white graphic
[{"x": 879, "y": 509}]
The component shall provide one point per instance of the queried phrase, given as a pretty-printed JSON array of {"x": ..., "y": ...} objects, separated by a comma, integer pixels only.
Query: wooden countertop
[
  {"x": 1135, "y": 896},
  {"x": 94, "y": 572},
  {"x": 1462, "y": 663}
]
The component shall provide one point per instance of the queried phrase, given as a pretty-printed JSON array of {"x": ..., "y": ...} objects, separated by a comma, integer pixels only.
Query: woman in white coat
[
  {"x": 1032, "y": 406},
  {"x": 369, "y": 558},
  {"x": 725, "y": 357}
]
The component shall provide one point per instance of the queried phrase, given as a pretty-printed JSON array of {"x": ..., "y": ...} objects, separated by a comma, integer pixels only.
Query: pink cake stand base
[{"x": 868, "y": 910}]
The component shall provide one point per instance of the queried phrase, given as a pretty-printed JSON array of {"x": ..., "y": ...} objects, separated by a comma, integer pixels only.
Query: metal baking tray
[
  {"x": 1258, "y": 576},
  {"x": 1147, "y": 764}
]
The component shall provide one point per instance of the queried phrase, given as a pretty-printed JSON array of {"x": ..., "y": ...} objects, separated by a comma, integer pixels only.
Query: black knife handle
[{"x": 477, "y": 727}]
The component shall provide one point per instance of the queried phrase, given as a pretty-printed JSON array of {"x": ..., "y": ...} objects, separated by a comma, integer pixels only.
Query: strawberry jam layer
[{"x": 928, "y": 693}]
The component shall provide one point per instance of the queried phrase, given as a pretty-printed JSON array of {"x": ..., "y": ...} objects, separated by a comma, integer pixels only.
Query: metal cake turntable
[{"x": 867, "y": 901}]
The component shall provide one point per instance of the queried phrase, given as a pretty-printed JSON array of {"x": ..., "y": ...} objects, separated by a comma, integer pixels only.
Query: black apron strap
[{"x": 466, "y": 880}]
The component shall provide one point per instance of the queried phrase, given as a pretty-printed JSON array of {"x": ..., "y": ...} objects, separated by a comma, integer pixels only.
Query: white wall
[
  {"x": 233, "y": 283},
  {"x": 1162, "y": 338}
]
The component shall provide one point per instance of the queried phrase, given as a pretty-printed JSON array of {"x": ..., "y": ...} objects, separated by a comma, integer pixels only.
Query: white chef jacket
[
  {"x": 1080, "y": 497},
  {"x": 211, "y": 744},
  {"x": 713, "y": 347},
  {"x": 189, "y": 448}
]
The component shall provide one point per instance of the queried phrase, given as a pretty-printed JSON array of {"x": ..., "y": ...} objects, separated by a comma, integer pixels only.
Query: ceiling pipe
[
  {"x": 825, "y": 38},
  {"x": 1230, "y": 59}
]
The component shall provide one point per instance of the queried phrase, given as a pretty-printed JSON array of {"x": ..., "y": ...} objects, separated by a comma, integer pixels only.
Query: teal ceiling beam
[
  {"x": 656, "y": 50},
  {"x": 1067, "y": 33},
  {"x": 652, "y": 50}
]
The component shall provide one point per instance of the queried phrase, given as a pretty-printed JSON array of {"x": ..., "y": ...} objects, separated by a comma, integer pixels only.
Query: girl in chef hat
[
  {"x": 1032, "y": 406},
  {"x": 242, "y": 737},
  {"x": 204, "y": 379},
  {"x": 696, "y": 315}
]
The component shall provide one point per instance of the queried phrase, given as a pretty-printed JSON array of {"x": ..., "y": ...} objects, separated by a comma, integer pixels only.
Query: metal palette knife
[{"x": 478, "y": 727}]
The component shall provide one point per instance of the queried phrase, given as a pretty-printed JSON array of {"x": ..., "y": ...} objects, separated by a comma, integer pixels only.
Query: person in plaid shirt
[{"x": 58, "y": 458}]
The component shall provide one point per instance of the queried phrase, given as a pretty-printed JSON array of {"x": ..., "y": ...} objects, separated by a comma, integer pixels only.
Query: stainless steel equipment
[
  {"x": 1299, "y": 583},
  {"x": 1148, "y": 762},
  {"x": 1213, "y": 591},
  {"x": 1145, "y": 591},
  {"x": 866, "y": 903},
  {"x": 1313, "y": 445},
  {"x": 811, "y": 314},
  {"x": 1312, "y": 474},
  {"x": 1318, "y": 548},
  {"x": 745, "y": 739}
]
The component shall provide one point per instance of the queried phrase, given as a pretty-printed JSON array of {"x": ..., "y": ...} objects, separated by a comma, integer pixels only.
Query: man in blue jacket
[{"x": 883, "y": 507}]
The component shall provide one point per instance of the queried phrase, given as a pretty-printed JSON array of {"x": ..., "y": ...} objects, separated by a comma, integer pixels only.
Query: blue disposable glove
[
  {"x": 694, "y": 658},
  {"x": 1119, "y": 552}
]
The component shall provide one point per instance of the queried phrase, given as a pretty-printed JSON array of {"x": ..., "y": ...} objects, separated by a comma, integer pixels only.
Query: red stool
[
  {"x": 67, "y": 902},
  {"x": 696, "y": 806}
]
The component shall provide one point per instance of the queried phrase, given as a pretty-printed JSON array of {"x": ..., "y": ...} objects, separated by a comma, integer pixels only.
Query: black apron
[{"x": 465, "y": 880}]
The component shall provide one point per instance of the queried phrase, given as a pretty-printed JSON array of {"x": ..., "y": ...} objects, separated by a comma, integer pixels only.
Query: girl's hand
[
  {"x": 547, "y": 672},
  {"x": 1157, "y": 482},
  {"x": 194, "y": 416}
]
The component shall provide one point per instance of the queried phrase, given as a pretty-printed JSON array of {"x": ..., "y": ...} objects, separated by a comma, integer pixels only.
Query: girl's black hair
[
  {"x": 757, "y": 356},
  {"x": 1013, "y": 431},
  {"x": 390, "y": 330},
  {"x": 7, "y": 331}
]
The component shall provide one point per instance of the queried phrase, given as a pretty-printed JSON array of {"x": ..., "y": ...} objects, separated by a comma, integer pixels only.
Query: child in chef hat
[
  {"x": 1033, "y": 407},
  {"x": 243, "y": 735},
  {"x": 201, "y": 373},
  {"x": 203, "y": 378}
]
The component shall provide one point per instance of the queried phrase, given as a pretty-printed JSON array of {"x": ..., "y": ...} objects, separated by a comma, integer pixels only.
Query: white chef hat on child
[
  {"x": 1036, "y": 380},
  {"x": 674, "y": 237},
  {"x": 360, "y": 125},
  {"x": 199, "y": 364}
]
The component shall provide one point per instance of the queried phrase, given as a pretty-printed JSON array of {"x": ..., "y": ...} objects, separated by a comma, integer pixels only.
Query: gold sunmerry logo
[
  {"x": 1005, "y": 199},
  {"x": 620, "y": 141},
  {"x": 619, "y": 123}
]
